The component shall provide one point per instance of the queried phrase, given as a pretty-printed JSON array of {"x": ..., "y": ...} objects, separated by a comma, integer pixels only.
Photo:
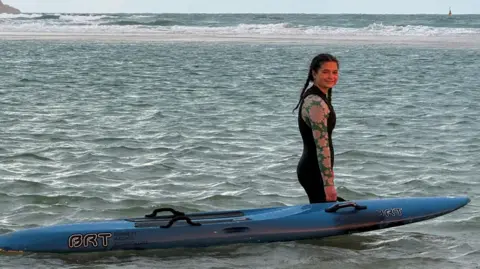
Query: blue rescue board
[{"x": 168, "y": 228}]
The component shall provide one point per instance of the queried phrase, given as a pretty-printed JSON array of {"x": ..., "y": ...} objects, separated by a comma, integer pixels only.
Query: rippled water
[{"x": 95, "y": 130}]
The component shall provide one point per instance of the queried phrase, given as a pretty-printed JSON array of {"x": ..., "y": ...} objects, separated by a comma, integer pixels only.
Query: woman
[{"x": 316, "y": 120}]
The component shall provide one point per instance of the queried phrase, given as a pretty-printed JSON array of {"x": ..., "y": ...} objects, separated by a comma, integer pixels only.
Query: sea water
[{"x": 112, "y": 115}]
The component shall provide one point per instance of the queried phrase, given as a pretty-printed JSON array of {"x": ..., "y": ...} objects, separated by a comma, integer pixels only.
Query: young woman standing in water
[{"x": 316, "y": 121}]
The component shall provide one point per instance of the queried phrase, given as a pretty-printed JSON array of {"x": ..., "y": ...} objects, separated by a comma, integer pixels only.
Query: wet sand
[{"x": 435, "y": 41}]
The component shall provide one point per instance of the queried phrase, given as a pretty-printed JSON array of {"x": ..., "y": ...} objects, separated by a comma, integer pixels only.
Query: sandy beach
[{"x": 435, "y": 41}]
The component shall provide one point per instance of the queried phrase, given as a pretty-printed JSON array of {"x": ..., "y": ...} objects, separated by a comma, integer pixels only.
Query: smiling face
[{"x": 327, "y": 76}]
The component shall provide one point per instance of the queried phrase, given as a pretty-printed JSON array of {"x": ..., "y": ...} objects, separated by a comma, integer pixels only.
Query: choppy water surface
[{"x": 96, "y": 130}]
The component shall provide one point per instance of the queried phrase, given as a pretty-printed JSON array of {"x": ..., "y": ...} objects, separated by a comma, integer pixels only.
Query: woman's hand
[{"x": 330, "y": 193}]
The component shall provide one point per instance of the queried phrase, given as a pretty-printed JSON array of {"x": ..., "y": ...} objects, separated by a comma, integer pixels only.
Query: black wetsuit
[{"x": 308, "y": 170}]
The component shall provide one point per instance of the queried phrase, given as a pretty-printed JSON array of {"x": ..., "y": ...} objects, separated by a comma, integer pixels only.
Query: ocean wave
[
  {"x": 52, "y": 16},
  {"x": 36, "y": 17},
  {"x": 6, "y": 16},
  {"x": 156, "y": 23},
  {"x": 27, "y": 156},
  {"x": 159, "y": 22}
]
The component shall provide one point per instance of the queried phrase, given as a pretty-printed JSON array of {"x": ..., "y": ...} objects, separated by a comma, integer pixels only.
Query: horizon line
[{"x": 245, "y": 13}]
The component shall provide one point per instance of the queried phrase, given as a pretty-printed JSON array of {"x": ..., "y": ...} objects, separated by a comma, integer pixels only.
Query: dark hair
[{"x": 316, "y": 64}]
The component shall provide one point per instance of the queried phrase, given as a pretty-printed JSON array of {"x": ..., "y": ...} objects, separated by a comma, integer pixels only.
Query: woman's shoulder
[
  {"x": 314, "y": 108},
  {"x": 313, "y": 100}
]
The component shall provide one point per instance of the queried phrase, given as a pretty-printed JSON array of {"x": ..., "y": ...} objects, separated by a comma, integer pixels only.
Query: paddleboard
[{"x": 169, "y": 228}]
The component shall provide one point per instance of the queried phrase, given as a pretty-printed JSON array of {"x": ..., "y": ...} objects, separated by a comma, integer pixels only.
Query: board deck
[{"x": 175, "y": 229}]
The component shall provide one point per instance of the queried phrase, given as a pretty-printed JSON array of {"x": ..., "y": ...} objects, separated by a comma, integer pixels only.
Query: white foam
[
  {"x": 93, "y": 24},
  {"x": 82, "y": 18},
  {"x": 96, "y": 24},
  {"x": 17, "y": 16}
]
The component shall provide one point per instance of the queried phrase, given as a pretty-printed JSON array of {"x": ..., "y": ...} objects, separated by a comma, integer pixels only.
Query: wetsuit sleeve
[{"x": 315, "y": 113}]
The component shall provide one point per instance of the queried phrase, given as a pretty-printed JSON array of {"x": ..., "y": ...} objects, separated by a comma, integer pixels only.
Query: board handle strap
[
  {"x": 336, "y": 207},
  {"x": 165, "y": 209},
  {"x": 189, "y": 221}
]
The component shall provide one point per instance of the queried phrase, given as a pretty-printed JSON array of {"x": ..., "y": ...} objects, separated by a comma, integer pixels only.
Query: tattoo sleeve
[{"x": 315, "y": 113}]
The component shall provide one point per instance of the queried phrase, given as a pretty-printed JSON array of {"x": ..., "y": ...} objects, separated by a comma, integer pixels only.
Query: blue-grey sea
[{"x": 112, "y": 115}]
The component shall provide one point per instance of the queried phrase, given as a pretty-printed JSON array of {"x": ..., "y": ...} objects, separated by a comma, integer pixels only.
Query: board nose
[
  {"x": 461, "y": 201},
  {"x": 447, "y": 204}
]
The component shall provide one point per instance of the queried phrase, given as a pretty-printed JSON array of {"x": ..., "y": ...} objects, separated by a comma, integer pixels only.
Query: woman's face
[{"x": 327, "y": 76}]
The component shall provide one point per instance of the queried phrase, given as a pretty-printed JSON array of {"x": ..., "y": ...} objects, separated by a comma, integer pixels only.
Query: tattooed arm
[{"x": 315, "y": 113}]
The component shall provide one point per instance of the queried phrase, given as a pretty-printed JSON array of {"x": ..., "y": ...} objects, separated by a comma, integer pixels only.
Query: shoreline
[{"x": 435, "y": 41}]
